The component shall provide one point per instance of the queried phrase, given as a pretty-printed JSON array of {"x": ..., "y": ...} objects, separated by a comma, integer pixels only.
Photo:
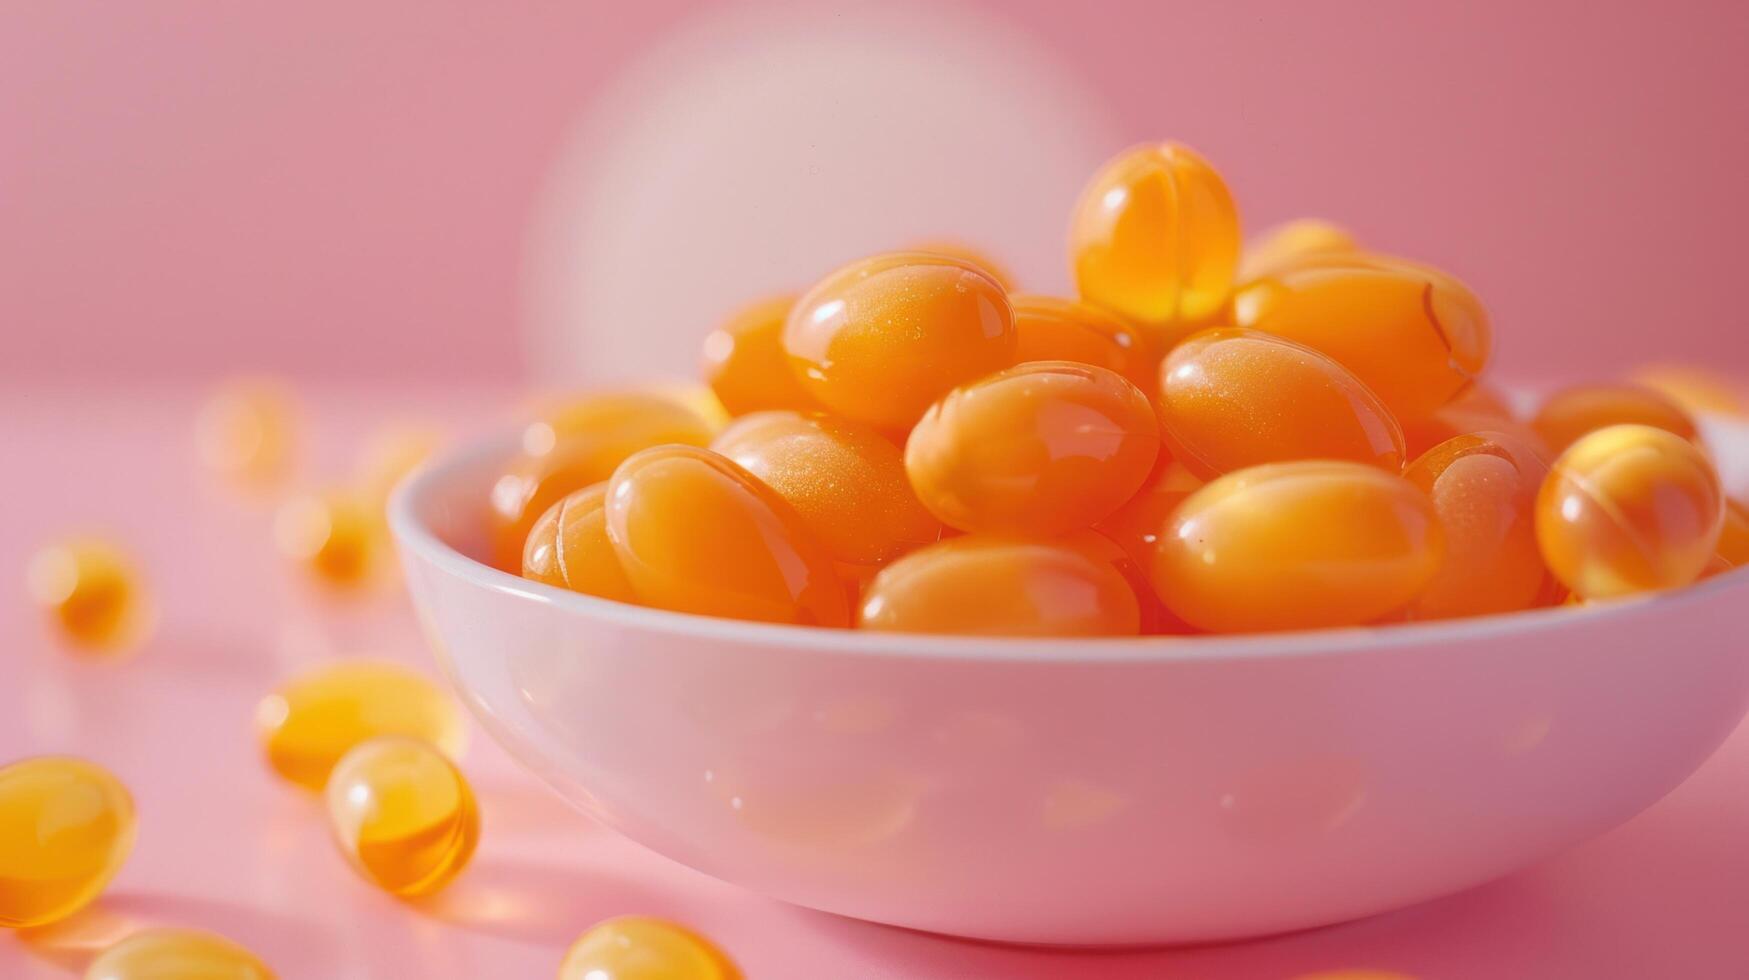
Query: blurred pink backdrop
[{"x": 343, "y": 190}]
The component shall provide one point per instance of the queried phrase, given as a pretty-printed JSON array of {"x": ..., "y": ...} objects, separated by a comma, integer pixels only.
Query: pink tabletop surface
[{"x": 225, "y": 846}]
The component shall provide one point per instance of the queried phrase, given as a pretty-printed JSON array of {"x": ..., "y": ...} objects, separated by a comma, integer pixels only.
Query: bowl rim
[{"x": 415, "y": 537}]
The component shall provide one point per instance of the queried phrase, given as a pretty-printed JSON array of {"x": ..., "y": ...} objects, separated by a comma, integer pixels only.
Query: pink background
[{"x": 341, "y": 190}]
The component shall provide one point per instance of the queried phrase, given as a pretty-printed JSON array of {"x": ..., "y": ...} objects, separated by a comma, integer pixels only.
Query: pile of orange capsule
[{"x": 1207, "y": 439}]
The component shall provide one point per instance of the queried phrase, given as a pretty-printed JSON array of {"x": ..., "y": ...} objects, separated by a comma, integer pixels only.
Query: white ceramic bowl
[{"x": 1080, "y": 792}]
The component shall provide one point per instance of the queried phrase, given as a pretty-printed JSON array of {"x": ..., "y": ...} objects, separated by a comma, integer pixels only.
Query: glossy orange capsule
[
  {"x": 177, "y": 954},
  {"x": 1137, "y": 525},
  {"x": 1696, "y": 389},
  {"x": 1294, "y": 243},
  {"x": 1052, "y": 329},
  {"x": 1155, "y": 237},
  {"x": 1566, "y": 415},
  {"x": 66, "y": 827},
  {"x": 1041, "y": 448},
  {"x": 880, "y": 339},
  {"x": 1232, "y": 398},
  {"x": 1734, "y": 534},
  {"x": 339, "y": 536},
  {"x": 697, "y": 533},
  {"x": 990, "y": 585},
  {"x": 966, "y": 253},
  {"x": 1483, "y": 487},
  {"x": 744, "y": 361},
  {"x": 93, "y": 594},
  {"x": 845, "y": 480},
  {"x": 568, "y": 548},
  {"x": 1301, "y": 545},
  {"x": 1480, "y": 408},
  {"x": 1153, "y": 618},
  {"x": 1629, "y": 508},
  {"x": 638, "y": 947}
]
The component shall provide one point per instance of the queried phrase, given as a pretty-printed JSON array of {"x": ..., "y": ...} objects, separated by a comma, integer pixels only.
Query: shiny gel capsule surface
[
  {"x": 1629, "y": 508},
  {"x": 845, "y": 480},
  {"x": 1051, "y": 329},
  {"x": 338, "y": 537},
  {"x": 966, "y": 253},
  {"x": 1574, "y": 412},
  {"x": 1042, "y": 448},
  {"x": 1137, "y": 525},
  {"x": 1481, "y": 408},
  {"x": 1232, "y": 398},
  {"x": 989, "y": 585},
  {"x": 637, "y": 947},
  {"x": 66, "y": 828},
  {"x": 177, "y": 954},
  {"x": 403, "y": 815},
  {"x": 745, "y": 364},
  {"x": 568, "y": 548},
  {"x": 93, "y": 594},
  {"x": 697, "y": 533},
  {"x": 1294, "y": 243},
  {"x": 1155, "y": 237},
  {"x": 1301, "y": 545},
  {"x": 880, "y": 339},
  {"x": 312, "y": 720}
]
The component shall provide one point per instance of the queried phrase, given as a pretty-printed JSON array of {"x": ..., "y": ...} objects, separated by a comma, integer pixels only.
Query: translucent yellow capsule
[
  {"x": 402, "y": 814},
  {"x": 638, "y": 947},
  {"x": 93, "y": 594},
  {"x": 336, "y": 536},
  {"x": 312, "y": 720},
  {"x": 177, "y": 954},
  {"x": 247, "y": 432},
  {"x": 66, "y": 828},
  {"x": 1287, "y": 245}
]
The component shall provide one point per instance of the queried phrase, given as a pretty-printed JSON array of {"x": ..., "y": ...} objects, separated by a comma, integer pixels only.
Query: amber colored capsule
[
  {"x": 1479, "y": 409},
  {"x": 177, "y": 954},
  {"x": 568, "y": 548},
  {"x": 403, "y": 815},
  {"x": 1152, "y": 616},
  {"x": 93, "y": 594},
  {"x": 697, "y": 533},
  {"x": 1696, "y": 389},
  {"x": 845, "y": 480},
  {"x": 966, "y": 253},
  {"x": 1483, "y": 487},
  {"x": 745, "y": 364},
  {"x": 880, "y": 339},
  {"x": 310, "y": 721},
  {"x": 1051, "y": 329},
  {"x": 1568, "y": 414},
  {"x": 337, "y": 536},
  {"x": 247, "y": 431},
  {"x": 1416, "y": 336},
  {"x": 1734, "y": 534},
  {"x": 1041, "y": 448},
  {"x": 1155, "y": 237},
  {"x": 638, "y": 947},
  {"x": 1629, "y": 508},
  {"x": 992, "y": 585},
  {"x": 66, "y": 828},
  {"x": 1294, "y": 243},
  {"x": 1137, "y": 525},
  {"x": 1301, "y": 545},
  {"x": 1232, "y": 398}
]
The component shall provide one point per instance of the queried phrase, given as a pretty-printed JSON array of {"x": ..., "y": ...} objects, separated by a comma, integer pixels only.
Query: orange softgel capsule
[
  {"x": 177, "y": 954},
  {"x": 1573, "y": 412},
  {"x": 92, "y": 593},
  {"x": 1481, "y": 408},
  {"x": 569, "y": 548},
  {"x": 402, "y": 814},
  {"x": 880, "y": 339},
  {"x": 1051, "y": 329},
  {"x": 247, "y": 432},
  {"x": 1137, "y": 525},
  {"x": 310, "y": 721},
  {"x": 1155, "y": 237},
  {"x": 1416, "y": 336},
  {"x": 338, "y": 536},
  {"x": 1294, "y": 243},
  {"x": 637, "y": 947},
  {"x": 66, "y": 828},
  {"x": 966, "y": 253},
  {"x": 992, "y": 585},
  {"x": 1232, "y": 398},
  {"x": 745, "y": 364},
  {"x": 697, "y": 533},
  {"x": 1734, "y": 534},
  {"x": 1041, "y": 448},
  {"x": 1301, "y": 545},
  {"x": 1696, "y": 389},
  {"x": 1483, "y": 487},
  {"x": 845, "y": 480},
  {"x": 1629, "y": 508}
]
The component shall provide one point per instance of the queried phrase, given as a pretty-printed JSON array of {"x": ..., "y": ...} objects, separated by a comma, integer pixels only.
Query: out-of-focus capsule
[
  {"x": 1696, "y": 389},
  {"x": 1232, "y": 398},
  {"x": 845, "y": 480},
  {"x": 1051, "y": 329},
  {"x": 1294, "y": 243},
  {"x": 1155, "y": 237},
  {"x": 1566, "y": 415},
  {"x": 337, "y": 536},
  {"x": 744, "y": 361},
  {"x": 1479, "y": 409},
  {"x": 637, "y": 947},
  {"x": 93, "y": 594},
  {"x": 1300, "y": 545},
  {"x": 247, "y": 432},
  {"x": 880, "y": 339},
  {"x": 697, "y": 533},
  {"x": 965, "y": 253},
  {"x": 402, "y": 814},
  {"x": 569, "y": 548},
  {"x": 177, "y": 954},
  {"x": 990, "y": 585},
  {"x": 1734, "y": 534},
  {"x": 1629, "y": 508},
  {"x": 1041, "y": 448},
  {"x": 66, "y": 828},
  {"x": 310, "y": 721}
]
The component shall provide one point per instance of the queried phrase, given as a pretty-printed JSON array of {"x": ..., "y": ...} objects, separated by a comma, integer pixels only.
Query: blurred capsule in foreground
[
  {"x": 637, "y": 947},
  {"x": 745, "y": 364},
  {"x": 402, "y": 814},
  {"x": 93, "y": 593},
  {"x": 66, "y": 827},
  {"x": 1051, "y": 329},
  {"x": 310, "y": 721},
  {"x": 337, "y": 536},
  {"x": 1572, "y": 412},
  {"x": 1294, "y": 243},
  {"x": 177, "y": 954}
]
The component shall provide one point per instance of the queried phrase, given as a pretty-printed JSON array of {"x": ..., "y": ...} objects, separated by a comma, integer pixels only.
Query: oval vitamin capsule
[
  {"x": 568, "y": 548},
  {"x": 402, "y": 814},
  {"x": 745, "y": 364},
  {"x": 66, "y": 827},
  {"x": 1294, "y": 243},
  {"x": 638, "y": 947},
  {"x": 1568, "y": 414},
  {"x": 310, "y": 721},
  {"x": 1051, "y": 329},
  {"x": 93, "y": 594},
  {"x": 177, "y": 954}
]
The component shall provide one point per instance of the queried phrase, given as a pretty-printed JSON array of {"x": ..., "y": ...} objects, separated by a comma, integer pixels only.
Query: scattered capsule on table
[
  {"x": 1232, "y": 398},
  {"x": 1155, "y": 238},
  {"x": 1627, "y": 509},
  {"x": 1300, "y": 545},
  {"x": 1483, "y": 487},
  {"x": 310, "y": 721},
  {"x": 66, "y": 827},
  {"x": 93, "y": 594},
  {"x": 403, "y": 814},
  {"x": 247, "y": 432},
  {"x": 338, "y": 536},
  {"x": 569, "y": 548},
  {"x": 1696, "y": 389},
  {"x": 881, "y": 339},
  {"x": 966, "y": 253},
  {"x": 993, "y": 585},
  {"x": 177, "y": 954},
  {"x": 697, "y": 533},
  {"x": 1047, "y": 328},
  {"x": 638, "y": 947},
  {"x": 1294, "y": 243},
  {"x": 1568, "y": 414},
  {"x": 745, "y": 364},
  {"x": 845, "y": 480},
  {"x": 1040, "y": 448}
]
